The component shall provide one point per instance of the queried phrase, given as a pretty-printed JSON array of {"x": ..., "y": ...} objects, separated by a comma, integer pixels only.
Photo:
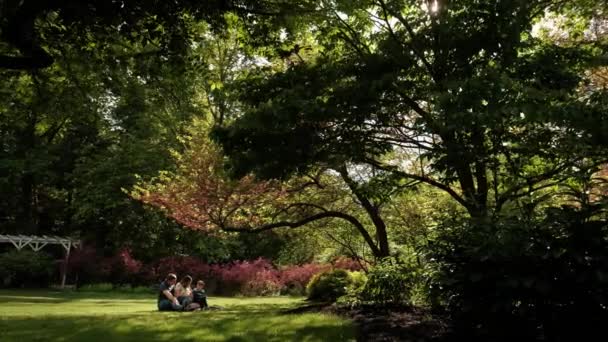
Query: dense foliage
[
  {"x": 446, "y": 86},
  {"x": 26, "y": 268},
  {"x": 454, "y": 151},
  {"x": 390, "y": 282},
  {"x": 521, "y": 278},
  {"x": 329, "y": 286}
]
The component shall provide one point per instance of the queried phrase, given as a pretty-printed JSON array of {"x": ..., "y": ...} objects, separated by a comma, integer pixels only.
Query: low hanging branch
[{"x": 200, "y": 196}]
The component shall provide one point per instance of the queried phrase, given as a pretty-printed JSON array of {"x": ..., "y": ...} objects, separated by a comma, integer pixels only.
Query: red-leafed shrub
[
  {"x": 345, "y": 263},
  {"x": 128, "y": 263},
  {"x": 263, "y": 283},
  {"x": 84, "y": 258},
  {"x": 87, "y": 265},
  {"x": 148, "y": 275},
  {"x": 122, "y": 267},
  {"x": 257, "y": 277},
  {"x": 234, "y": 276},
  {"x": 295, "y": 278}
]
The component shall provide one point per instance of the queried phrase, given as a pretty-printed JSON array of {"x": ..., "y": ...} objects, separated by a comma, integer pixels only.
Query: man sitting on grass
[
  {"x": 166, "y": 300},
  {"x": 199, "y": 296}
]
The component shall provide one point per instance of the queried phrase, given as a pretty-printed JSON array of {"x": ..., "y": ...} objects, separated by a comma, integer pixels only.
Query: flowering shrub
[
  {"x": 264, "y": 283},
  {"x": 241, "y": 271},
  {"x": 148, "y": 274},
  {"x": 87, "y": 265},
  {"x": 127, "y": 262},
  {"x": 245, "y": 276},
  {"x": 257, "y": 277},
  {"x": 122, "y": 267},
  {"x": 90, "y": 267}
]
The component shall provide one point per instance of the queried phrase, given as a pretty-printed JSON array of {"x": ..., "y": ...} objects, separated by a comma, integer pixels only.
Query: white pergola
[{"x": 38, "y": 242}]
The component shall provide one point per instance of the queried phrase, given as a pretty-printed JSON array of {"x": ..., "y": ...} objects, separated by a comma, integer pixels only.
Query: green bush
[
  {"x": 358, "y": 281},
  {"x": 329, "y": 286},
  {"x": 26, "y": 268},
  {"x": 295, "y": 289},
  {"x": 389, "y": 281},
  {"x": 352, "y": 297},
  {"x": 522, "y": 278}
]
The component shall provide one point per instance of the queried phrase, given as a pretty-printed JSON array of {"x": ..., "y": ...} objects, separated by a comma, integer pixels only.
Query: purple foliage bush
[{"x": 257, "y": 277}]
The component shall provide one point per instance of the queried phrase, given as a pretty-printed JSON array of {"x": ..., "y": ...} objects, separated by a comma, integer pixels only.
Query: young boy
[{"x": 199, "y": 296}]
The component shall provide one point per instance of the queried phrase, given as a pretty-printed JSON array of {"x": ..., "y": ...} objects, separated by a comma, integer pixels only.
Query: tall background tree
[
  {"x": 108, "y": 112},
  {"x": 492, "y": 109}
]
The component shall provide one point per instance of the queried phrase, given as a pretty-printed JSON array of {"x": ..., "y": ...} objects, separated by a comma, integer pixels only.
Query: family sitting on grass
[{"x": 180, "y": 296}]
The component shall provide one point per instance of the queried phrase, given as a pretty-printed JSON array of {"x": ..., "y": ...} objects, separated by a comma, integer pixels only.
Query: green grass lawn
[{"x": 74, "y": 316}]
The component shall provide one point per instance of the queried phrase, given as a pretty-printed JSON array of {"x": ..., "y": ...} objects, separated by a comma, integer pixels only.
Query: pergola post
[{"x": 64, "y": 269}]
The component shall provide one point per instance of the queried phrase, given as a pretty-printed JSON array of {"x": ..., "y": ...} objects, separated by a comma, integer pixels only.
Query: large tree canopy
[
  {"x": 497, "y": 111},
  {"x": 375, "y": 97},
  {"x": 73, "y": 134},
  {"x": 29, "y": 28}
]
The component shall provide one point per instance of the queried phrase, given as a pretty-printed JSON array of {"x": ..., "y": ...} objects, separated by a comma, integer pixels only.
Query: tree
[
  {"x": 31, "y": 28},
  {"x": 41, "y": 140},
  {"x": 201, "y": 196},
  {"x": 495, "y": 111},
  {"x": 73, "y": 134}
]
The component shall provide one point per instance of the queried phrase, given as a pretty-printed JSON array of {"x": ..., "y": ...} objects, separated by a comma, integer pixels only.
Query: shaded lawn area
[{"x": 73, "y": 316}]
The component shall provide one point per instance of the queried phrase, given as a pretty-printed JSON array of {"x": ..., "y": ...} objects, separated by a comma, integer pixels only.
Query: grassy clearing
[{"x": 70, "y": 316}]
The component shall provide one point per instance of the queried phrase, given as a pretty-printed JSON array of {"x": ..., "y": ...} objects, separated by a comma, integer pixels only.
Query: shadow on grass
[
  {"x": 25, "y": 296},
  {"x": 77, "y": 316},
  {"x": 202, "y": 326},
  {"x": 102, "y": 298}
]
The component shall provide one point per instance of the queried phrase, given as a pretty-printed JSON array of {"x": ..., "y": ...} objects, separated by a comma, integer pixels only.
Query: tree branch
[
  {"x": 370, "y": 208},
  {"x": 413, "y": 37},
  {"x": 350, "y": 248},
  {"x": 513, "y": 192},
  {"x": 423, "y": 179},
  {"x": 295, "y": 224}
]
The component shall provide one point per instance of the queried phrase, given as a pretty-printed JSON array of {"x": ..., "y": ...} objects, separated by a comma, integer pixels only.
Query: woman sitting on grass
[{"x": 183, "y": 292}]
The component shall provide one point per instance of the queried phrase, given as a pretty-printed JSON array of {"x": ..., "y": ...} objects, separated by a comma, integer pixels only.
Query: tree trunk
[
  {"x": 382, "y": 238},
  {"x": 373, "y": 213}
]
